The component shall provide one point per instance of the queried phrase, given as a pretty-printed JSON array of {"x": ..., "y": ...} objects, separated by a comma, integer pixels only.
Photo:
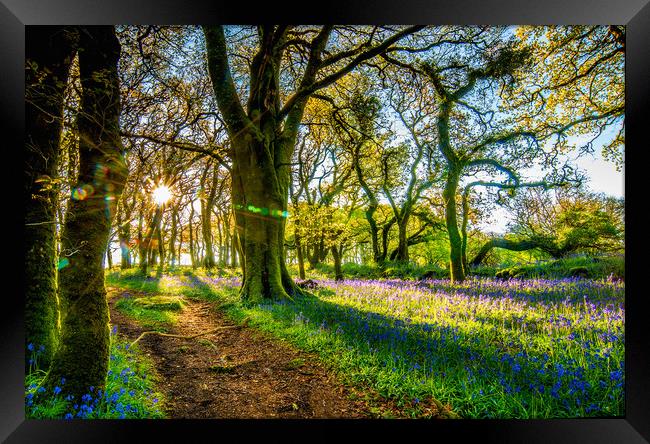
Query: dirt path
[{"x": 236, "y": 373}]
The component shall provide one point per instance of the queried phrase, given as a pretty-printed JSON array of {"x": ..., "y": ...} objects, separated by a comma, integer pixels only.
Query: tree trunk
[
  {"x": 109, "y": 256},
  {"x": 235, "y": 250},
  {"x": 146, "y": 245},
  {"x": 124, "y": 234},
  {"x": 49, "y": 51},
  {"x": 313, "y": 256},
  {"x": 260, "y": 212},
  {"x": 82, "y": 356},
  {"x": 402, "y": 246},
  {"x": 374, "y": 235},
  {"x": 142, "y": 251},
  {"x": 464, "y": 229},
  {"x": 191, "y": 230},
  {"x": 456, "y": 270},
  {"x": 338, "y": 273},
  {"x": 522, "y": 245},
  {"x": 172, "y": 237},
  {"x": 385, "y": 231},
  {"x": 180, "y": 239},
  {"x": 206, "y": 230},
  {"x": 161, "y": 246},
  {"x": 301, "y": 258},
  {"x": 220, "y": 258}
]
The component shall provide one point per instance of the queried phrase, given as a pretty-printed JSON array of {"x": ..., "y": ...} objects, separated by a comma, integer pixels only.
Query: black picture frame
[{"x": 16, "y": 14}]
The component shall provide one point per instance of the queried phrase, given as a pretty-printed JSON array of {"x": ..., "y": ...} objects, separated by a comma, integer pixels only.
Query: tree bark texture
[
  {"x": 49, "y": 51},
  {"x": 82, "y": 356},
  {"x": 456, "y": 269}
]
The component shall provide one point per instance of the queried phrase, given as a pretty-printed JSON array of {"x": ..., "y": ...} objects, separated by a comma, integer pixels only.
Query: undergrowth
[{"x": 129, "y": 393}]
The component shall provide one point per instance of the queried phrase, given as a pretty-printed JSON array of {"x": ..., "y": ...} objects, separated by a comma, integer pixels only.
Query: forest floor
[{"x": 236, "y": 372}]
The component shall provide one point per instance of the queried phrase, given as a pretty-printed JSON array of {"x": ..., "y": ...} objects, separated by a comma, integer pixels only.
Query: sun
[{"x": 161, "y": 194}]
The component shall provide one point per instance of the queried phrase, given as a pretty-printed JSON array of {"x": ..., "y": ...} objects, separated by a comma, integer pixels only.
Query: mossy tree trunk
[
  {"x": 124, "y": 236},
  {"x": 82, "y": 356},
  {"x": 463, "y": 228},
  {"x": 337, "y": 252},
  {"x": 236, "y": 249},
  {"x": 263, "y": 137},
  {"x": 402, "y": 245},
  {"x": 146, "y": 243},
  {"x": 109, "y": 256},
  {"x": 49, "y": 51},
  {"x": 172, "y": 237},
  {"x": 300, "y": 254},
  {"x": 161, "y": 245},
  {"x": 191, "y": 234},
  {"x": 206, "y": 222},
  {"x": 456, "y": 269},
  {"x": 507, "y": 244},
  {"x": 260, "y": 210}
]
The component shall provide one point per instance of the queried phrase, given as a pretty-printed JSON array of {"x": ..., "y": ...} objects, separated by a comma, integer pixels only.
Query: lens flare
[
  {"x": 83, "y": 192},
  {"x": 278, "y": 214},
  {"x": 161, "y": 194}
]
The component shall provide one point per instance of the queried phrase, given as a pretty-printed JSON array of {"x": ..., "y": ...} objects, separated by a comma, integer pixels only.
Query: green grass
[
  {"x": 486, "y": 348},
  {"x": 601, "y": 267},
  {"x": 598, "y": 267},
  {"x": 154, "y": 312},
  {"x": 387, "y": 270},
  {"x": 130, "y": 391}
]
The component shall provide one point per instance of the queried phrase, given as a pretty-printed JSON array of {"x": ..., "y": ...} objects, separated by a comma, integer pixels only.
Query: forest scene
[{"x": 338, "y": 221}]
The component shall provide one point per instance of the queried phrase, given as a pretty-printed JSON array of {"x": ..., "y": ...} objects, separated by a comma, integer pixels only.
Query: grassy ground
[
  {"x": 486, "y": 349},
  {"x": 130, "y": 390},
  {"x": 581, "y": 266}
]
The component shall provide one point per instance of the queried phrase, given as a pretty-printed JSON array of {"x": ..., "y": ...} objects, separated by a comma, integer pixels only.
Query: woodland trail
[{"x": 235, "y": 372}]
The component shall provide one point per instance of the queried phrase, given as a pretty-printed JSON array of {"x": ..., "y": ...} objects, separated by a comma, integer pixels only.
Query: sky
[{"x": 603, "y": 178}]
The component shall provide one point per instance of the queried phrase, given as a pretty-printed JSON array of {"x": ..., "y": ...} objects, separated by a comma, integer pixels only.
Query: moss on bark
[
  {"x": 82, "y": 356},
  {"x": 49, "y": 51},
  {"x": 456, "y": 269}
]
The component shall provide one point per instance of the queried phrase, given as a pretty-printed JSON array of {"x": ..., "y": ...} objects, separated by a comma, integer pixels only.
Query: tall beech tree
[
  {"x": 82, "y": 355},
  {"x": 49, "y": 51},
  {"x": 263, "y": 133}
]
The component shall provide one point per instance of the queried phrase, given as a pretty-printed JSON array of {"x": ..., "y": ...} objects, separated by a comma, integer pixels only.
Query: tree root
[{"x": 207, "y": 332}]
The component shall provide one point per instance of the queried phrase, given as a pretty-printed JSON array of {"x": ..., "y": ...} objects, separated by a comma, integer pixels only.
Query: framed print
[{"x": 380, "y": 219}]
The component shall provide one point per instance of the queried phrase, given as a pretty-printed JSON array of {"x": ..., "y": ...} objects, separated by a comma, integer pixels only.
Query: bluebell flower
[
  {"x": 57, "y": 390},
  {"x": 30, "y": 347},
  {"x": 68, "y": 416},
  {"x": 616, "y": 375}
]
